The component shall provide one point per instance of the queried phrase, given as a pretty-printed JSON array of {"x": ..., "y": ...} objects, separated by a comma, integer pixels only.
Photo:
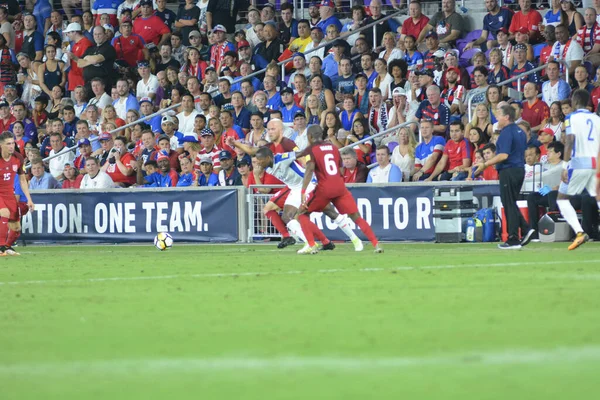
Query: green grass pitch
[{"x": 252, "y": 322}]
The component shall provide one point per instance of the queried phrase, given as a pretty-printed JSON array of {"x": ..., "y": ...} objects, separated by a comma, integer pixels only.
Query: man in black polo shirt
[
  {"x": 509, "y": 161},
  {"x": 33, "y": 41},
  {"x": 98, "y": 61}
]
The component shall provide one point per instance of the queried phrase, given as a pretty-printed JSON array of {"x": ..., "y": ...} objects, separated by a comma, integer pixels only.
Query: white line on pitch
[
  {"x": 561, "y": 355},
  {"x": 293, "y": 272}
]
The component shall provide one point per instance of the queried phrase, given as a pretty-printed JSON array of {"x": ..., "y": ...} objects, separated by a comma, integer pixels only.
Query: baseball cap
[
  {"x": 194, "y": 33},
  {"x": 207, "y": 132},
  {"x": 227, "y": 78},
  {"x": 503, "y": 30},
  {"x": 399, "y": 92},
  {"x": 361, "y": 75},
  {"x": 219, "y": 28},
  {"x": 243, "y": 162},
  {"x": 73, "y": 27},
  {"x": 210, "y": 68},
  {"x": 269, "y": 5},
  {"x": 105, "y": 136},
  {"x": 317, "y": 28},
  {"x": 163, "y": 137},
  {"x": 299, "y": 114},
  {"x": 439, "y": 53},
  {"x": 146, "y": 3},
  {"x": 298, "y": 54},
  {"x": 455, "y": 69},
  {"x": 517, "y": 102},
  {"x": 83, "y": 142},
  {"x": 242, "y": 44},
  {"x": 189, "y": 138},
  {"x": 206, "y": 159},
  {"x": 547, "y": 130},
  {"x": 523, "y": 30},
  {"x": 143, "y": 63},
  {"x": 109, "y": 28},
  {"x": 3, "y": 104},
  {"x": 145, "y": 100},
  {"x": 286, "y": 90},
  {"x": 10, "y": 86},
  {"x": 162, "y": 155},
  {"x": 166, "y": 119},
  {"x": 125, "y": 20},
  {"x": 451, "y": 53},
  {"x": 425, "y": 72},
  {"x": 224, "y": 155},
  {"x": 432, "y": 34},
  {"x": 327, "y": 3}
]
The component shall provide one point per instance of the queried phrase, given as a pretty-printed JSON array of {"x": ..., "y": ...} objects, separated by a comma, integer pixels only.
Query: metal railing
[
  {"x": 385, "y": 132},
  {"x": 517, "y": 78}
]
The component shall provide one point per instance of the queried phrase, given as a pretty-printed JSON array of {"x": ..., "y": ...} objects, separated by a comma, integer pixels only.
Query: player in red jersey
[
  {"x": 325, "y": 162},
  {"x": 11, "y": 164}
]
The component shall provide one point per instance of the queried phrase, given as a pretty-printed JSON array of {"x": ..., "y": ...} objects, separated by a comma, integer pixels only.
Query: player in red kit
[
  {"x": 325, "y": 161},
  {"x": 11, "y": 164}
]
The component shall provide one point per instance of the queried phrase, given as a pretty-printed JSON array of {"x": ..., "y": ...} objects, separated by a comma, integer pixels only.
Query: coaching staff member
[{"x": 510, "y": 163}]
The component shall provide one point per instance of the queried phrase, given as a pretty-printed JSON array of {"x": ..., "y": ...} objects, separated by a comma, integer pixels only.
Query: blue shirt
[
  {"x": 237, "y": 86},
  {"x": 395, "y": 174},
  {"x": 30, "y": 134},
  {"x": 70, "y": 128},
  {"x": 512, "y": 141},
  {"x": 425, "y": 150},
  {"x": 213, "y": 180},
  {"x": 333, "y": 20},
  {"x": 243, "y": 119},
  {"x": 47, "y": 181},
  {"x": 439, "y": 115},
  {"x": 156, "y": 179},
  {"x": 330, "y": 67},
  {"x": 344, "y": 85},
  {"x": 186, "y": 180},
  {"x": 493, "y": 23},
  {"x": 552, "y": 19},
  {"x": 274, "y": 103},
  {"x": 288, "y": 115}
]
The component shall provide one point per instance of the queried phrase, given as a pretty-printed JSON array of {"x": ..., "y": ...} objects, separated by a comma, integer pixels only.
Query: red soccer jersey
[
  {"x": 456, "y": 153},
  {"x": 129, "y": 49},
  {"x": 67, "y": 184},
  {"x": 535, "y": 113},
  {"x": 283, "y": 147},
  {"x": 532, "y": 21},
  {"x": 8, "y": 170},
  {"x": 490, "y": 174},
  {"x": 115, "y": 173},
  {"x": 265, "y": 179},
  {"x": 18, "y": 41},
  {"x": 228, "y": 133},
  {"x": 327, "y": 160},
  {"x": 75, "y": 76},
  {"x": 150, "y": 29},
  {"x": 5, "y": 124}
]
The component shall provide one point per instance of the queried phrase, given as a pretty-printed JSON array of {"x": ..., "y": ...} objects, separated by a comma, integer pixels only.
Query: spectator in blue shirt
[
  {"x": 496, "y": 19},
  {"x": 41, "y": 179},
  {"x": 327, "y": 11},
  {"x": 207, "y": 177},
  {"x": 70, "y": 125},
  {"x": 385, "y": 171},
  {"x": 433, "y": 110},
  {"x": 188, "y": 176}
]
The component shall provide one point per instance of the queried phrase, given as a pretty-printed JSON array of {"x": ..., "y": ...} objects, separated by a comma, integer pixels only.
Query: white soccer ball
[{"x": 163, "y": 241}]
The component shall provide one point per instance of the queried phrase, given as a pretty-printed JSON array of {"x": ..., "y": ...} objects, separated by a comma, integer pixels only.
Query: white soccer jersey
[
  {"x": 287, "y": 170},
  {"x": 585, "y": 126}
]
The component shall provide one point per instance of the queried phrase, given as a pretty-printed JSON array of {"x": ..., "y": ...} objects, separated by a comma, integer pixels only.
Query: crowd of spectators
[{"x": 70, "y": 79}]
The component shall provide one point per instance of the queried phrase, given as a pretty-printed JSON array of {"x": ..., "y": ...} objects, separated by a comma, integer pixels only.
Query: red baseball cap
[
  {"x": 455, "y": 69},
  {"x": 547, "y": 130},
  {"x": 503, "y": 30},
  {"x": 242, "y": 44}
]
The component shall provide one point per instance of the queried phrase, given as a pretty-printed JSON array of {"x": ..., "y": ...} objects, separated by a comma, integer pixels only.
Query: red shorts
[
  {"x": 23, "y": 209},
  {"x": 280, "y": 197},
  {"x": 344, "y": 202},
  {"x": 11, "y": 204}
]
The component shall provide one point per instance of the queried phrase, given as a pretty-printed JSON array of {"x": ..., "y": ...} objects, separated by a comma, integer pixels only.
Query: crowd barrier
[{"x": 397, "y": 212}]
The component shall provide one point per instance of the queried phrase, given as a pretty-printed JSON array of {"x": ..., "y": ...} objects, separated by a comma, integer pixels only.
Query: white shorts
[
  {"x": 581, "y": 179},
  {"x": 294, "y": 199}
]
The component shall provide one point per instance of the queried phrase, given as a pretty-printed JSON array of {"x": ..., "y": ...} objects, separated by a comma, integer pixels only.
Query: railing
[
  {"x": 518, "y": 79},
  {"x": 385, "y": 132}
]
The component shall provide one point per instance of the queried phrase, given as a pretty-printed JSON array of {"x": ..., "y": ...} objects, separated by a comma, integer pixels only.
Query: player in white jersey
[
  {"x": 581, "y": 151},
  {"x": 287, "y": 169}
]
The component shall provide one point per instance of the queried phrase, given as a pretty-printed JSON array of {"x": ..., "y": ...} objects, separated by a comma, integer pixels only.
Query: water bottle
[{"x": 470, "y": 237}]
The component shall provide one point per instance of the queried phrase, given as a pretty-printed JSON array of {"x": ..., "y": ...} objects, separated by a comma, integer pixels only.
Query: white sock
[
  {"x": 296, "y": 230},
  {"x": 343, "y": 222},
  {"x": 569, "y": 214}
]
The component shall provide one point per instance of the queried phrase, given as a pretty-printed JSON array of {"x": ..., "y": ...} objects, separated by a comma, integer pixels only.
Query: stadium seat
[
  {"x": 465, "y": 58},
  {"x": 460, "y": 44},
  {"x": 470, "y": 69},
  {"x": 590, "y": 68},
  {"x": 392, "y": 146}
]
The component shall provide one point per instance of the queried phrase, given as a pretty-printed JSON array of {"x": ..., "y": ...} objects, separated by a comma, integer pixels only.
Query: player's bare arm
[{"x": 25, "y": 189}]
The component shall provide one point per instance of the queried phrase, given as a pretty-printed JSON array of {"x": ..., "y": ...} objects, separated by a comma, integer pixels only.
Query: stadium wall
[{"x": 397, "y": 212}]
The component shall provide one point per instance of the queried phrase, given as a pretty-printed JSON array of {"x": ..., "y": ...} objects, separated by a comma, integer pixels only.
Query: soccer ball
[{"x": 163, "y": 241}]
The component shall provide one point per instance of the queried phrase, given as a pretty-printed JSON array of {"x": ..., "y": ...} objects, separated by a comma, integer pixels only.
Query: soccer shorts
[
  {"x": 295, "y": 197},
  {"x": 581, "y": 179},
  {"x": 23, "y": 209},
  {"x": 280, "y": 197},
  {"x": 344, "y": 202},
  {"x": 10, "y": 203}
]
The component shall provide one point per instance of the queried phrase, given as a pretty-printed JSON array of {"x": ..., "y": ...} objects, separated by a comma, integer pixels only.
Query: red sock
[
  {"x": 278, "y": 223},
  {"x": 318, "y": 234},
  {"x": 366, "y": 228},
  {"x": 13, "y": 236},
  {"x": 3, "y": 230},
  {"x": 307, "y": 229}
]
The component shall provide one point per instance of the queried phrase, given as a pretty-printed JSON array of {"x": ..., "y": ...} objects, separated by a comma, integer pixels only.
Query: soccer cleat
[
  {"x": 378, "y": 249},
  {"x": 579, "y": 240},
  {"x": 309, "y": 250},
  {"x": 328, "y": 246},
  {"x": 285, "y": 242},
  {"x": 358, "y": 245},
  {"x": 527, "y": 238},
  {"x": 11, "y": 252},
  {"x": 509, "y": 246}
]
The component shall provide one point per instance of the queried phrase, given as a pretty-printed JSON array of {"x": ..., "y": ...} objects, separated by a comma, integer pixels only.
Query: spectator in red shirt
[
  {"x": 352, "y": 170},
  {"x": 120, "y": 163},
  {"x": 535, "y": 111},
  {"x": 72, "y": 177},
  {"x": 416, "y": 21},
  {"x": 130, "y": 47},
  {"x": 78, "y": 49},
  {"x": 6, "y": 118},
  {"x": 489, "y": 152},
  {"x": 150, "y": 27},
  {"x": 529, "y": 19},
  {"x": 456, "y": 159},
  {"x": 164, "y": 146}
]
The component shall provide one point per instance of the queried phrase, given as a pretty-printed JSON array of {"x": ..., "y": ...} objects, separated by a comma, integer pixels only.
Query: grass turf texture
[{"x": 254, "y": 322}]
